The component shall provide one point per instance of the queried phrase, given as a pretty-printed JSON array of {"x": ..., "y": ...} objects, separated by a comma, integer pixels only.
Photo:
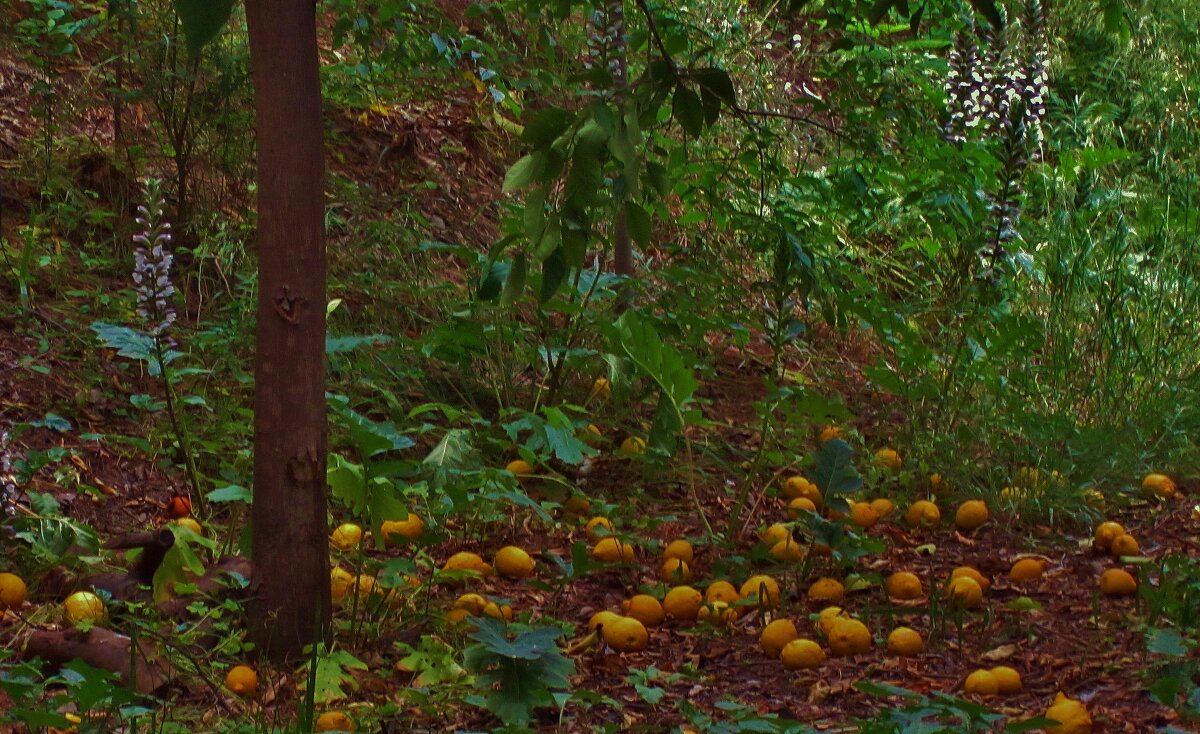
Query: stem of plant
[{"x": 185, "y": 443}]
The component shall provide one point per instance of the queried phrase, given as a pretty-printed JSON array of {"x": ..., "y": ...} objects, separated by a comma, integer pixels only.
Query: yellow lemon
[
  {"x": 863, "y": 514},
  {"x": 83, "y": 606},
  {"x": 1158, "y": 485},
  {"x": 577, "y": 504},
  {"x": 633, "y": 445},
  {"x": 888, "y": 459},
  {"x": 612, "y": 550},
  {"x": 333, "y": 721},
  {"x": 340, "y": 583},
  {"x": 1072, "y": 716},
  {"x": 1009, "y": 679},
  {"x": 601, "y": 388},
  {"x": 645, "y": 609},
  {"x": 1125, "y": 545},
  {"x": 1106, "y": 533},
  {"x": 775, "y": 534},
  {"x": 680, "y": 549},
  {"x": 982, "y": 683},
  {"x": 848, "y": 637},
  {"x": 191, "y": 524},
  {"x": 787, "y": 551},
  {"x": 513, "y": 562},
  {"x": 905, "y": 586},
  {"x": 498, "y": 611},
  {"x": 1027, "y": 569},
  {"x": 346, "y": 536},
  {"x": 826, "y": 618},
  {"x": 801, "y": 654},
  {"x": 467, "y": 561},
  {"x": 410, "y": 527},
  {"x": 474, "y": 604},
  {"x": 829, "y": 433},
  {"x": 717, "y": 613},
  {"x": 683, "y": 603},
  {"x": 675, "y": 571},
  {"x": 625, "y": 634},
  {"x": 980, "y": 579},
  {"x": 598, "y": 527},
  {"x": 798, "y": 506},
  {"x": 242, "y": 681},
  {"x": 776, "y": 635},
  {"x": 13, "y": 591},
  {"x": 601, "y": 618},
  {"x": 1117, "y": 582},
  {"x": 764, "y": 585},
  {"x": 905, "y": 642},
  {"x": 826, "y": 590},
  {"x": 971, "y": 515},
  {"x": 883, "y": 507},
  {"x": 519, "y": 468},
  {"x": 924, "y": 514},
  {"x": 722, "y": 591},
  {"x": 798, "y": 487},
  {"x": 965, "y": 592}
]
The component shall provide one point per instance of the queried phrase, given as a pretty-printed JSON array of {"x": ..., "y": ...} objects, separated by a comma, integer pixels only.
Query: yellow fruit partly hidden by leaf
[
  {"x": 1158, "y": 485},
  {"x": 1125, "y": 545},
  {"x": 1008, "y": 679},
  {"x": 826, "y": 589},
  {"x": 601, "y": 388},
  {"x": 775, "y": 533},
  {"x": 923, "y": 514},
  {"x": 722, "y": 591},
  {"x": 762, "y": 588},
  {"x": 1106, "y": 533},
  {"x": 905, "y": 586},
  {"x": 577, "y": 504},
  {"x": 242, "y": 681},
  {"x": 598, "y": 527},
  {"x": 195, "y": 527},
  {"x": 965, "y": 592},
  {"x": 633, "y": 445},
  {"x": 519, "y": 468},
  {"x": 776, "y": 635},
  {"x": 1094, "y": 498},
  {"x": 473, "y": 604},
  {"x": 333, "y": 721},
  {"x": 625, "y": 634},
  {"x": 797, "y": 507},
  {"x": 645, "y": 609},
  {"x": 971, "y": 515},
  {"x": 83, "y": 606},
  {"x": 341, "y": 582},
  {"x": 798, "y": 487},
  {"x": 888, "y": 459},
  {"x": 982, "y": 683},
  {"x": 848, "y": 637},
  {"x": 788, "y": 551},
  {"x": 826, "y": 618},
  {"x": 410, "y": 528},
  {"x": 1027, "y": 569},
  {"x": 829, "y": 433},
  {"x": 905, "y": 642},
  {"x": 717, "y": 613},
  {"x": 937, "y": 485},
  {"x": 863, "y": 514},
  {"x": 346, "y": 536},
  {"x": 601, "y": 618},
  {"x": 13, "y": 591},
  {"x": 1013, "y": 495},
  {"x": 1072, "y": 716},
  {"x": 801, "y": 654},
  {"x": 680, "y": 549},
  {"x": 883, "y": 507},
  {"x": 467, "y": 561},
  {"x": 682, "y": 603},
  {"x": 502, "y": 612},
  {"x": 513, "y": 562},
  {"x": 612, "y": 550},
  {"x": 675, "y": 571},
  {"x": 1117, "y": 582},
  {"x": 972, "y": 572}
]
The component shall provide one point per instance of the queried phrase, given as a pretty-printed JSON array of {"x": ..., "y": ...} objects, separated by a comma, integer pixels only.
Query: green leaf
[
  {"x": 514, "y": 285},
  {"x": 554, "y": 273},
  {"x": 202, "y": 20},
  {"x": 333, "y": 676},
  {"x": 562, "y": 438},
  {"x": 340, "y": 344},
  {"x": 688, "y": 110},
  {"x": 637, "y": 220},
  {"x": 987, "y": 8},
  {"x": 545, "y": 126},
  {"x": 347, "y": 482},
  {"x": 524, "y": 171},
  {"x": 834, "y": 473},
  {"x": 453, "y": 454},
  {"x": 717, "y": 83},
  {"x": 230, "y": 493},
  {"x": 1166, "y": 642}
]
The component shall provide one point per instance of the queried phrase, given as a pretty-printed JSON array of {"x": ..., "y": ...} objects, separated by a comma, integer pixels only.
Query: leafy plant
[{"x": 517, "y": 672}]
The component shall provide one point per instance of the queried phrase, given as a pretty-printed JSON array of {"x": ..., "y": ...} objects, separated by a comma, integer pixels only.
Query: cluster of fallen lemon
[{"x": 242, "y": 681}]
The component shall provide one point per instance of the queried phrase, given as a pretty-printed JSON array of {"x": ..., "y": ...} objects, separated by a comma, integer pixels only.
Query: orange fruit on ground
[
  {"x": 801, "y": 654},
  {"x": 788, "y": 551},
  {"x": 1106, "y": 533},
  {"x": 982, "y": 683},
  {"x": 797, "y": 507},
  {"x": 798, "y": 487},
  {"x": 971, "y": 514},
  {"x": 829, "y": 433},
  {"x": 722, "y": 591},
  {"x": 242, "y": 681},
  {"x": 675, "y": 571},
  {"x": 923, "y": 514},
  {"x": 776, "y": 635},
  {"x": 596, "y": 528},
  {"x": 346, "y": 536},
  {"x": 775, "y": 533},
  {"x": 680, "y": 549},
  {"x": 601, "y": 618},
  {"x": 965, "y": 592},
  {"x": 498, "y": 611},
  {"x": 577, "y": 504},
  {"x": 612, "y": 550},
  {"x": 717, "y": 613},
  {"x": 905, "y": 586},
  {"x": 514, "y": 562},
  {"x": 520, "y": 468},
  {"x": 1072, "y": 716},
  {"x": 1117, "y": 582},
  {"x": 826, "y": 589},
  {"x": 1158, "y": 485},
  {"x": 888, "y": 459},
  {"x": 980, "y": 579},
  {"x": 633, "y": 445},
  {"x": 761, "y": 584},
  {"x": 13, "y": 591},
  {"x": 645, "y": 609},
  {"x": 883, "y": 507},
  {"x": 333, "y": 721},
  {"x": 1125, "y": 545},
  {"x": 825, "y": 619},
  {"x": 863, "y": 514},
  {"x": 601, "y": 388},
  {"x": 848, "y": 637},
  {"x": 1027, "y": 569},
  {"x": 905, "y": 642},
  {"x": 683, "y": 603},
  {"x": 467, "y": 561},
  {"x": 473, "y": 604},
  {"x": 83, "y": 606},
  {"x": 625, "y": 634},
  {"x": 341, "y": 582},
  {"x": 1008, "y": 678},
  {"x": 410, "y": 527}
]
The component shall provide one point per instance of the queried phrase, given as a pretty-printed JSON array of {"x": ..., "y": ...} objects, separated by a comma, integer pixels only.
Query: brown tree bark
[{"x": 290, "y": 605}]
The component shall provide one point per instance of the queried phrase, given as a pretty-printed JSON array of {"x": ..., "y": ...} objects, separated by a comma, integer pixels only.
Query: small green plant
[{"x": 517, "y": 667}]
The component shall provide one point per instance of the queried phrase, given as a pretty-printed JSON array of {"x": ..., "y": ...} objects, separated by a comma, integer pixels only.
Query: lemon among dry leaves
[
  {"x": 625, "y": 634},
  {"x": 1117, "y": 582},
  {"x": 801, "y": 654},
  {"x": 682, "y": 603},
  {"x": 409, "y": 528},
  {"x": 905, "y": 642},
  {"x": 598, "y": 527},
  {"x": 645, "y": 609},
  {"x": 612, "y": 550},
  {"x": 848, "y": 636},
  {"x": 1026, "y": 570},
  {"x": 514, "y": 562},
  {"x": 13, "y": 591},
  {"x": 83, "y": 606},
  {"x": 763, "y": 589},
  {"x": 923, "y": 514},
  {"x": 722, "y": 591},
  {"x": 680, "y": 549},
  {"x": 1071, "y": 715},
  {"x": 826, "y": 589},
  {"x": 346, "y": 536},
  {"x": 905, "y": 586},
  {"x": 981, "y": 683},
  {"x": 332, "y": 721},
  {"x": 971, "y": 515},
  {"x": 776, "y": 635},
  {"x": 965, "y": 592},
  {"x": 241, "y": 680}
]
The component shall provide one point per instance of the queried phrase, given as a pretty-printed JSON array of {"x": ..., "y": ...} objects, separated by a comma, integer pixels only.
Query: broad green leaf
[
  {"x": 545, "y": 126},
  {"x": 834, "y": 473},
  {"x": 524, "y": 172},
  {"x": 688, "y": 110},
  {"x": 202, "y": 20},
  {"x": 554, "y": 273},
  {"x": 717, "y": 83},
  {"x": 638, "y": 222},
  {"x": 514, "y": 285}
]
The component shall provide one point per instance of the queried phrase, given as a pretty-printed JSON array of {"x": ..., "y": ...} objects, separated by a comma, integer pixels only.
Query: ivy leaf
[{"x": 202, "y": 20}]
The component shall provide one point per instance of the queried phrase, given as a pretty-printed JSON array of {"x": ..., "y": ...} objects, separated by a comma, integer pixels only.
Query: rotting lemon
[
  {"x": 848, "y": 637},
  {"x": 1106, "y": 533},
  {"x": 333, "y": 721},
  {"x": 1117, "y": 582},
  {"x": 863, "y": 514},
  {"x": 904, "y": 585},
  {"x": 682, "y": 603},
  {"x": 1027, "y": 569},
  {"x": 346, "y": 536},
  {"x": 801, "y": 654},
  {"x": 776, "y": 635},
  {"x": 242, "y": 681},
  {"x": 905, "y": 642},
  {"x": 514, "y": 562},
  {"x": 763, "y": 589},
  {"x": 924, "y": 514},
  {"x": 598, "y": 527},
  {"x": 722, "y": 591},
  {"x": 680, "y": 549},
  {"x": 981, "y": 683},
  {"x": 826, "y": 589},
  {"x": 675, "y": 571},
  {"x": 1008, "y": 679},
  {"x": 633, "y": 445},
  {"x": 13, "y": 591},
  {"x": 612, "y": 550},
  {"x": 965, "y": 592},
  {"x": 83, "y": 606},
  {"x": 788, "y": 551},
  {"x": 971, "y": 515},
  {"x": 645, "y": 609},
  {"x": 1125, "y": 545},
  {"x": 798, "y": 506},
  {"x": 1071, "y": 715},
  {"x": 625, "y": 634},
  {"x": 1158, "y": 485},
  {"x": 410, "y": 527},
  {"x": 775, "y": 534}
]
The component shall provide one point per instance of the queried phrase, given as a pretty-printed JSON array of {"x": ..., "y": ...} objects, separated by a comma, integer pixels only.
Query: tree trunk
[
  {"x": 619, "y": 66},
  {"x": 291, "y": 605}
]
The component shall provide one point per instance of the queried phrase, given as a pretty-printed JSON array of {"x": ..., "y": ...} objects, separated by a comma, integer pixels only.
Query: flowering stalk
[{"x": 8, "y": 483}]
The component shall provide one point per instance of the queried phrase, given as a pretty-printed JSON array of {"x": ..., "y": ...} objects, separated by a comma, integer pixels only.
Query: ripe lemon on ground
[
  {"x": 601, "y": 618},
  {"x": 937, "y": 485},
  {"x": 982, "y": 683},
  {"x": 980, "y": 579},
  {"x": 598, "y": 527},
  {"x": 883, "y": 507},
  {"x": 474, "y": 604},
  {"x": 788, "y": 551},
  {"x": 333, "y": 721},
  {"x": 519, "y": 468},
  {"x": 1158, "y": 485},
  {"x": 675, "y": 571},
  {"x": 513, "y": 562},
  {"x": 798, "y": 487},
  {"x": 797, "y": 507},
  {"x": 775, "y": 533},
  {"x": 340, "y": 583},
  {"x": 13, "y": 591},
  {"x": 601, "y": 388},
  {"x": 1027, "y": 569},
  {"x": 1125, "y": 545},
  {"x": 776, "y": 635},
  {"x": 1117, "y": 582},
  {"x": 826, "y": 589},
  {"x": 1106, "y": 533},
  {"x": 905, "y": 642},
  {"x": 971, "y": 514},
  {"x": 764, "y": 585},
  {"x": 828, "y": 433},
  {"x": 195, "y": 527},
  {"x": 612, "y": 550},
  {"x": 800, "y": 654},
  {"x": 410, "y": 527},
  {"x": 1008, "y": 679},
  {"x": 83, "y": 606},
  {"x": 680, "y": 549},
  {"x": 848, "y": 637},
  {"x": 577, "y": 504},
  {"x": 826, "y": 618},
  {"x": 625, "y": 634},
  {"x": 1072, "y": 716},
  {"x": 863, "y": 514},
  {"x": 467, "y": 561},
  {"x": 965, "y": 592},
  {"x": 633, "y": 445},
  {"x": 888, "y": 459},
  {"x": 346, "y": 536},
  {"x": 498, "y": 611},
  {"x": 717, "y": 613},
  {"x": 905, "y": 586},
  {"x": 455, "y": 616},
  {"x": 242, "y": 680},
  {"x": 722, "y": 591},
  {"x": 683, "y": 603},
  {"x": 645, "y": 609},
  {"x": 923, "y": 514}
]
